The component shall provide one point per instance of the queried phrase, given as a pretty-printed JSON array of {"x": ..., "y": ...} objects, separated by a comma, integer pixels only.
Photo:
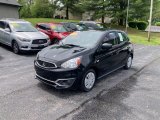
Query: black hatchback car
[{"x": 82, "y": 58}]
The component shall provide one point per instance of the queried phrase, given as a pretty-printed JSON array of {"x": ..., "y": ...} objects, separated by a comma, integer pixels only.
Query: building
[
  {"x": 79, "y": 16},
  {"x": 9, "y": 9}
]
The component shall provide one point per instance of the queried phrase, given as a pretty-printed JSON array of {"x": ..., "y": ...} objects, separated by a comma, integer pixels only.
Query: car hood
[
  {"x": 32, "y": 35},
  {"x": 60, "y": 53}
]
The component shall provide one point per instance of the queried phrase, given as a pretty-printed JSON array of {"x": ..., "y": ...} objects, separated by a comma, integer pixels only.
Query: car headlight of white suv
[{"x": 24, "y": 39}]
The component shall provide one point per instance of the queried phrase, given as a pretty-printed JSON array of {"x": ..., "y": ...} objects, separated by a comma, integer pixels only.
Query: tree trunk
[
  {"x": 67, "y": 12},
  {"x": 121, "y": 21},
  {"x": 103, "y": 18}
]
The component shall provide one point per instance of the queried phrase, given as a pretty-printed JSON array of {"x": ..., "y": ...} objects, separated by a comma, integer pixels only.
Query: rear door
[
  {"x": 123, "y": 47},
  {"x": 7, "y": 35},
  {"x": 107, "y": 60}
]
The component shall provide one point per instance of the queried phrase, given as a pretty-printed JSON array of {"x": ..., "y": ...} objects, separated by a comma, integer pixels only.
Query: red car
[{"x": 55, "y": 31}]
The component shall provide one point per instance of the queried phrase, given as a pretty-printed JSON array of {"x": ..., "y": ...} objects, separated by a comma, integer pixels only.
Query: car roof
[
  {"x": 93, "y": 22},
  {"x": 50, "y": 23},
  {"x": 105, "y": 31}
]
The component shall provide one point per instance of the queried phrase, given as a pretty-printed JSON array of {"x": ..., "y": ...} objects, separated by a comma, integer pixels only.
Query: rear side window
[
  {"x": 122, "y": 37},
  {"x": 43, "y": 26},
  {"x": 2, "y": 25},
  {"x": 111, "y": 38}
]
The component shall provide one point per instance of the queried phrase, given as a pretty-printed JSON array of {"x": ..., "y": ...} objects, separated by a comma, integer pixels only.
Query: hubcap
[
  {"x": 129, "y": 62},
  {"x": 89, "y": 80}
]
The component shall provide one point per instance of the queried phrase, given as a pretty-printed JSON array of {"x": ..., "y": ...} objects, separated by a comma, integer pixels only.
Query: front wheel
[
  {"x": 88, "y": 80},
  {"x": 128, "y": 63},
  {"x": 15, "y": 47}
]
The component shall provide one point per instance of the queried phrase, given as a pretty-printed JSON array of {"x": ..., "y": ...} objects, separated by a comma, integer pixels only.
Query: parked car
[
  {"x": 82, "y": 58},
  {"x": 70, "y": 26},
  {"x": 92, "y": 25},
  {"x": 21, "y": 35},
  {"x": 55, "y": 31}
]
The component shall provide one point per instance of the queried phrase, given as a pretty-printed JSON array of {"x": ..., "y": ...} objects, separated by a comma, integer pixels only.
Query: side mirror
[
  {"x": 106, "y": 46},
  {"x": 7, "y": 30}
]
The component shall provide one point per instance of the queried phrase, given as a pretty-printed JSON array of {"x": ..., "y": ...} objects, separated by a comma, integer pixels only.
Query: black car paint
[{"x": 102, "y": 61}]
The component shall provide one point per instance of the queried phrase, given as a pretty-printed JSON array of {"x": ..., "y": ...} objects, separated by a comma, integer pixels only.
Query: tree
[
  {"x": 97, "y": 7},
  {"x": 44, "y": 10},
  {"x": 68, "y": 5},
  {"x": 25, "y": 10}
]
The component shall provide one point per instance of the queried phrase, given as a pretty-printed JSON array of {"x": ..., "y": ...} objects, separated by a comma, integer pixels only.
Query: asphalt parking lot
[{"x": 24, "y": 98}]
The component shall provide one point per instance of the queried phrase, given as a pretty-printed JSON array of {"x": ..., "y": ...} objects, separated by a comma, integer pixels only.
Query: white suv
[{"x": 21, "y": 35}]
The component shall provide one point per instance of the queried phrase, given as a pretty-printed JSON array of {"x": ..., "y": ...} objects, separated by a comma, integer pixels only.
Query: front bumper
[
  {"x": 58, "y": 78},
  {"x": 28, "y": 46}
]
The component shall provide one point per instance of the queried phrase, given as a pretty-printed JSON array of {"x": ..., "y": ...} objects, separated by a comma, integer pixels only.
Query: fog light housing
[{"x": 24, "y": 46}]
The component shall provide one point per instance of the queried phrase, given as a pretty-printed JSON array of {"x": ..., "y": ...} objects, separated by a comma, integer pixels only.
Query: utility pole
[
  {"x": 150, "y": 21},
  {"x": 127, "y": 16}
]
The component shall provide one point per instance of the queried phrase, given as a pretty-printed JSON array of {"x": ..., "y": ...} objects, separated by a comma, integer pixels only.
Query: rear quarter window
[{"x": 122, "y": 37}]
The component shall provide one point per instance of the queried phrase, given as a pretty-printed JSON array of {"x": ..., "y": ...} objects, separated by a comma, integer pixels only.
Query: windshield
[
  {"x": 23, "y": 27},
  {"x": 58, "y": 28},
  {"x": 83, "y": 39}
]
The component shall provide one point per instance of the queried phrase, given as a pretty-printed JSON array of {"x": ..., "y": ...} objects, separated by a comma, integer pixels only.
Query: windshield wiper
[
  {"x": 19, "y": 31},
  {"x": 72, "y": 45}
]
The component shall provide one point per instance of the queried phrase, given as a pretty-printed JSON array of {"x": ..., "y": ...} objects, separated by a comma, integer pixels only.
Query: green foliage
[
  {"x": 157, "y": 23},
  {"x": 44, "y": 10},
  {"x": 25, "y": 10},
  {"x": 132, "y": 24},
  {"x": 37, "y": 8},
  {"x": 142, "y": 25},
  {"x": 68, "y": 5}
]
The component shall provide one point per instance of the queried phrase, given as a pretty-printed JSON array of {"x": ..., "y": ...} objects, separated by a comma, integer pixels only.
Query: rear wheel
[
  {"x": 128, "y": 63},
  {"x": 15, "y": 47},
  {"x": 88, "y": 80}
]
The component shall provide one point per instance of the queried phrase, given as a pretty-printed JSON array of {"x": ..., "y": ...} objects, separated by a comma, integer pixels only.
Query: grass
[
  {"x": 38, "y": 20},
  {"x": 136, "y": 36},
  {"x": 140, "y": 37}
]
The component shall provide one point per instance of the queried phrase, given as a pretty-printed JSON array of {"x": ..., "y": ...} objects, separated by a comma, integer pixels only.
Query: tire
[
  {"x": 128, "y": 62},
  {"x": 88, "y": 83},
  {"x": 15, "y": 47}
]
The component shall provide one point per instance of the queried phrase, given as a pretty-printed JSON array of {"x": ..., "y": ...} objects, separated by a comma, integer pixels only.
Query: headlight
[
  {"x": 24, "y": 39},
  {"x": 73, "y": 63}
]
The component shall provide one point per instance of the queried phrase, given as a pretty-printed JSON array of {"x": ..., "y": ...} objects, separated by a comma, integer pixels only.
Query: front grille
[
  {"x": 46, "y": 64},
  {"x": 39, "y": 41}
]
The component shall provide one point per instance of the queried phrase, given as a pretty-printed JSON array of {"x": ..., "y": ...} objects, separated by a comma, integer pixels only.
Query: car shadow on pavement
[
  {"x": 67, "y": 93},
  {"x": 23, "y": 53},
  {"x": 1, "y": 58},
  {"x": 61, "y": 93},
  {"x": 110, "y": 104}
]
